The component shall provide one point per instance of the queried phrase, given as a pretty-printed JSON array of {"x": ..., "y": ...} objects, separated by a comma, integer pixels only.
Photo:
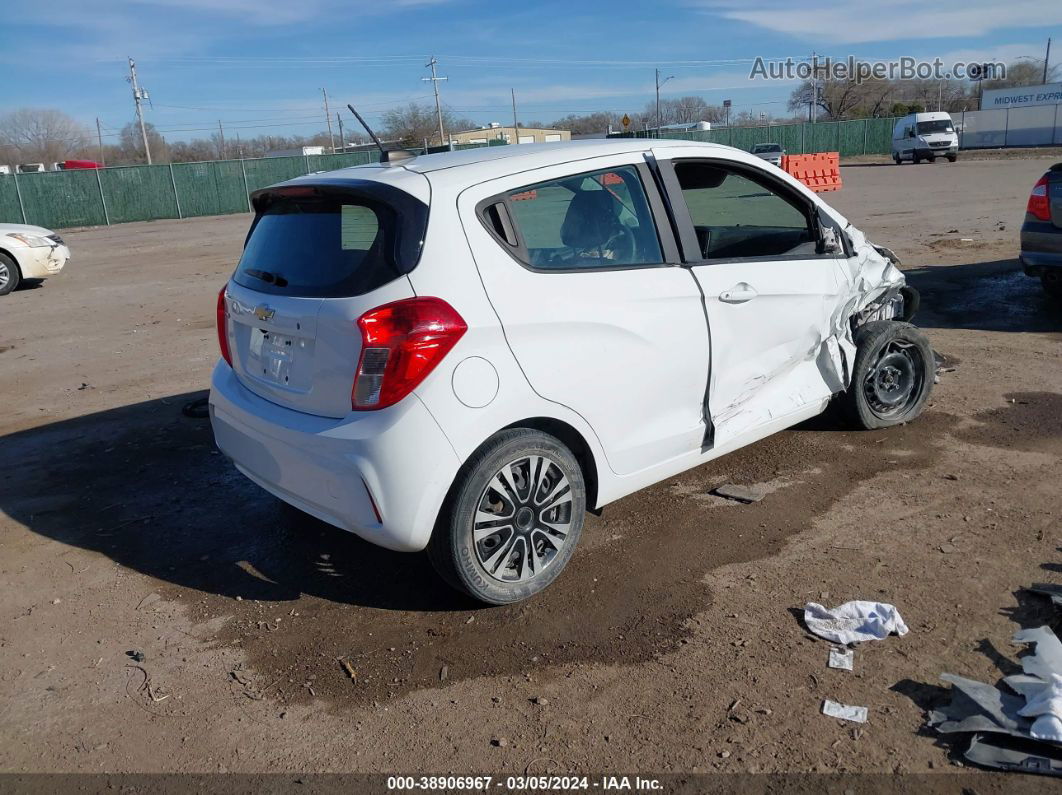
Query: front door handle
[{"x": 738, "y": 294}]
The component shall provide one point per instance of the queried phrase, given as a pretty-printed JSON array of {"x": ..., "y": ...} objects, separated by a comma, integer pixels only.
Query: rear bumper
[
  {"x": 40, "y": 262},
  {"x": 329, "y": 467},
  {"x": 1041, "y": 247},
  {"x": 1035, "y": 263}
]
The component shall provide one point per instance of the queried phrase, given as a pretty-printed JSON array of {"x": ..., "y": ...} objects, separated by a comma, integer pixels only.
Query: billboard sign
[{"x": 1022, "y": 96}]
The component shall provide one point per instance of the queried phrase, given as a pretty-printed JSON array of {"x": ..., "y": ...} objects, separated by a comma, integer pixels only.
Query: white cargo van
[{"x": 925, "y": 136}]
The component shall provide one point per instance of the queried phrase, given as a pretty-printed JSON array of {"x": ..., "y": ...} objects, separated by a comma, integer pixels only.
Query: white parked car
[
  {"x": 467, "y": 351},
  {"x": 29, "y": 252},
  {"x": 772, "y": 153}
]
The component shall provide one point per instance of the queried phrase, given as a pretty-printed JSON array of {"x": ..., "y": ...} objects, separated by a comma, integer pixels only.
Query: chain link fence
[
  {"x": 855, "y": 137},
  {"x": 91, "y": 197},
  {"x": 978, "y": 129},
  {"x": 182, "y": 190}
]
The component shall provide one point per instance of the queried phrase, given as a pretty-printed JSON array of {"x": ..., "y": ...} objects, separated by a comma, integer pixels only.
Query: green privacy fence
[
  {"x": 182, "y": 190},
  {"x": 92, "y": 197},
  {"x": 855, "y": 137}
]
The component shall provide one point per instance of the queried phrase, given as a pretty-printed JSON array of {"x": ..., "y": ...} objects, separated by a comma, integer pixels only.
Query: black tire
[
  {"x": 494, "y": 569},
  {"x": 1051, "y": 281},
  {"x": 916, "y": 159},
  {"x": 896, "y": 159},
  {"x": 9, "y": 274},
  {"x": 952, "y": 158},
  {"x": 892, "y": 376}
]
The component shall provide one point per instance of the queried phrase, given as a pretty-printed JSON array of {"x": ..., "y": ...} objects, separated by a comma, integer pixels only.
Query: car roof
[
  {"x": 461, "y": 169},
  {"x": 485, "y": 162}
]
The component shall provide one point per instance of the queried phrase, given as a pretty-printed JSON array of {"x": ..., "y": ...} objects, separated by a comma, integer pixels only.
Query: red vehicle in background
[{"x": 70, "y": 165}]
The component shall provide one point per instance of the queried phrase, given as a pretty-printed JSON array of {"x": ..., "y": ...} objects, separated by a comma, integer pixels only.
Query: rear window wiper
[{"x": 267, "y": 277}]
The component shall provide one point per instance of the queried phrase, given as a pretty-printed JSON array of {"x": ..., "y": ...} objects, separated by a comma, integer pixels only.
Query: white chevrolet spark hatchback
[{"x": 467, "y": 351}]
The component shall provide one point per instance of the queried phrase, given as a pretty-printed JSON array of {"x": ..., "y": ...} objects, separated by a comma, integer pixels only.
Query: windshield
[
  {"x": 758, "y": 148},
  {"x": 939, "y": 126}
]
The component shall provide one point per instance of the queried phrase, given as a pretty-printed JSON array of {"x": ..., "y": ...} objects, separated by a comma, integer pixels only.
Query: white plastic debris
[
  {"x": 1047, "y": 661},
  {"x": 1046, "y": 707},
  {"x": 842, "y": 658},
  {"x": 844, "y": 712},
  {"x": 854, "y": 622}
]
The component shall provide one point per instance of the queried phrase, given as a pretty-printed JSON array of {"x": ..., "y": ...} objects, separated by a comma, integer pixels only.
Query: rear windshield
[
  {"x": 767, "y": 148},
  {"x": 328, "y": 246},
  {"x": 939, "y": 126}
]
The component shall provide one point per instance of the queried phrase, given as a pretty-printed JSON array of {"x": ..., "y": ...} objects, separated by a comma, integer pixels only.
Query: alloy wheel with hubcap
[
  {"x": 513, "y": 519},
  {"x": 523, "y": 519},
  {"x": 9, "y": 275}
]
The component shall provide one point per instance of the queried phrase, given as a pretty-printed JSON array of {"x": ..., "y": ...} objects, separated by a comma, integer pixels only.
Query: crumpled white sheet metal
[
  {"x": 1046, "y": 707},
  {"x": 1047, "y": 660},
  {"x": 871, "y": 278},
  {"x": 1035, "y": 712},
  {"x": 854, "y": 622}
]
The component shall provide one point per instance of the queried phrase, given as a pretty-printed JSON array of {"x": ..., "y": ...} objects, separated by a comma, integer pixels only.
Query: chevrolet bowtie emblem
[{"x": 264, "y": 312}]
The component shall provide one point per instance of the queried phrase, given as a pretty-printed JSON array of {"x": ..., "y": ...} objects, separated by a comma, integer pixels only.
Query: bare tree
[
  {"x": 684, "y": 110},
  {"x": 413, "y": 124},
  {"x": 1022, "y": 73},
  {"x": 41, "y": 135},
  {"x": 131, "y": 145}
]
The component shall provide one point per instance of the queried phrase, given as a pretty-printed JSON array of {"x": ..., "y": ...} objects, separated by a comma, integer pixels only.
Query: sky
[{"x": 259, "y": 66}]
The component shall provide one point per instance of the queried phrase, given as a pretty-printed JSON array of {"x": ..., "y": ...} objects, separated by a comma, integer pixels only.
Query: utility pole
[
  {"x": 139, "y": 95},
  {"x": 342, "y": 140},
  {"x": 239, "y": 146},
  {"x": 221, "y": 141},
  {"x": 658, "y": 84},
  {"x": 99, "y": 139},
  {"x": 1047, "y": 58},
  {"x": 328, "y": 120},
  {"x": 516, "y": 130},
  {"x": 814, "y": 89},
  {"x": 438, "y": 107}
]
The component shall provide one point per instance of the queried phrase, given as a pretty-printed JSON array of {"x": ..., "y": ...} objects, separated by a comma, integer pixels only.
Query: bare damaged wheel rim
[
  {"x": 523, "y": 519},
  {"x": 895, "y": 381},
  {"x": 5, "y": 275}
]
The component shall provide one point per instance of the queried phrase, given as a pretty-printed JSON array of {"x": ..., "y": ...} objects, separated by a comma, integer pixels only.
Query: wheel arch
[
  {"x": 574, "y": 441},
  {"x": 566, "y": 433},
  {"x": 11, "y": 256}
]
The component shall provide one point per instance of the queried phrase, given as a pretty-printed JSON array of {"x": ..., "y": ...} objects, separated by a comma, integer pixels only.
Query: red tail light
[
  {"x": 1039, "y": 205},
  {"x": 223, "y": 328},
  {"x": 401, "y": 343}
]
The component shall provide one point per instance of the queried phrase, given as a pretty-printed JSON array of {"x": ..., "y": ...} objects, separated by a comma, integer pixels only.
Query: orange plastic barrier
[{"x": 821, "y": 172}]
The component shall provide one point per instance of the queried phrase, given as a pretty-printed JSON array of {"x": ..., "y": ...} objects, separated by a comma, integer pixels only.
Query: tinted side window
[
  {"x": 735, "y": 216},
  {"x": 599, "y": 219}
]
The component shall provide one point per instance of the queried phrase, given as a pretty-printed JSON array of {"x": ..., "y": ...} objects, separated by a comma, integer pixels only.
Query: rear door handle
[{"x": 738, "y": 294}]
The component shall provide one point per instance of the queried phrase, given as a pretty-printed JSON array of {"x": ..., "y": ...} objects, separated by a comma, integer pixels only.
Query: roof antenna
[
  {"x": 393, "y": 156},
  {"x": 367, "y": 128}
]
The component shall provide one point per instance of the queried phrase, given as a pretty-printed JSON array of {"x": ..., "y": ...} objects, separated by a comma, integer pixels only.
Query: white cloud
[{"x": 828, "y": 22}]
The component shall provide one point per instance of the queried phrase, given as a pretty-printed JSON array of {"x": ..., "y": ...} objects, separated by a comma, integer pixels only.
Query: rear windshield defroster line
[{"x": 331, "y": 241}]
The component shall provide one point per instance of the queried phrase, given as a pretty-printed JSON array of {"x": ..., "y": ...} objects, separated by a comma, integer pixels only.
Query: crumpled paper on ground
[{"x": 854, "y": 622}]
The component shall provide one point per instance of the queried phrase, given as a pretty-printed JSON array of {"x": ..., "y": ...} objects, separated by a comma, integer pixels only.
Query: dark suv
[{"x": 1041, "y": 234}]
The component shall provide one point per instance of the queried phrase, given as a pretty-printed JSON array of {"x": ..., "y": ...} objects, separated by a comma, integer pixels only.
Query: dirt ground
[{"x": 670, "y": 645}]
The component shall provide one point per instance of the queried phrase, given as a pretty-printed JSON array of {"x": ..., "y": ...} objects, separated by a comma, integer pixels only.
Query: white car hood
[{"x": 25, "y": 229}]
